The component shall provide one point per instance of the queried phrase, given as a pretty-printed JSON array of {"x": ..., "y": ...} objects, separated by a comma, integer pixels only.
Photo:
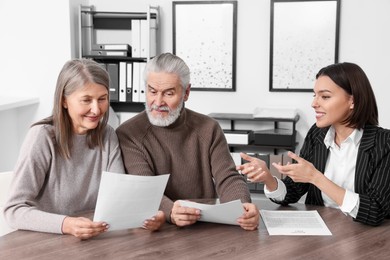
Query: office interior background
[{"x": 38, "y": 37}]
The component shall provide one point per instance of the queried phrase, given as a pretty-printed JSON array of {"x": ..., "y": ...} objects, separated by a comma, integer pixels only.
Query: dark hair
[
  {"x": 354, "y": 81},
  {"x": 75, "y": 74}
]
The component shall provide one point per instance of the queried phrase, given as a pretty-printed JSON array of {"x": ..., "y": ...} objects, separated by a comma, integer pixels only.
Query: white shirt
[{"x": 340, "y": 169}]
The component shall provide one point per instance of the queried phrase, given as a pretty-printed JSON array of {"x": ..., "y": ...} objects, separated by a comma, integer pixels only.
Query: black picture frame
[
  {"x": 304, "y": 37},
  {"x": 205, "y": 36}
]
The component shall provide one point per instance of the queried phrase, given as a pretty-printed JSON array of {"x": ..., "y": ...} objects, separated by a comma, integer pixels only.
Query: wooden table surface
[{"x": 350, "y": 240}]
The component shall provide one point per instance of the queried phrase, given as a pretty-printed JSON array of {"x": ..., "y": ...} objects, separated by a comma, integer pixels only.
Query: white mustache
[{"x": 161, "y": 108}]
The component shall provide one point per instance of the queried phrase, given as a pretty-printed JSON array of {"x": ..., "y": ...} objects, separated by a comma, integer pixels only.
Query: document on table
[
  {"x": 126, "y": 201},
  {"x": 294, "y": 223},
  {"x": 224, "y": 213}
]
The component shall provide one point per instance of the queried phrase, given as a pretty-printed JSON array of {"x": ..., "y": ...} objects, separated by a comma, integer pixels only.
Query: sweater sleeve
[
  {"x": 115, "y": 162},
  {"x": 229, "y": 184},
  {"x": 20, "y": 210}
]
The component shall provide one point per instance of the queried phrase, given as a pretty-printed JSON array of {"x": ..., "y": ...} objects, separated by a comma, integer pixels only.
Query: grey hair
[
  {"x": 75, "y": 74},
  {"x": 169, "y": 63}
]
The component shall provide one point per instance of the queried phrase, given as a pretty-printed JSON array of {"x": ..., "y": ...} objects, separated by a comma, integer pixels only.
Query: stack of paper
[
  {"x": 297, "y": 223},
  {"x": 274, "y": 113}
]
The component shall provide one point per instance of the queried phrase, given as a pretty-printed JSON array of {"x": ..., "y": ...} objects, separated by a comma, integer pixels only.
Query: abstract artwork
[
  {"x": 304, "y": 38},
  {"x": 204, "y": 36}
]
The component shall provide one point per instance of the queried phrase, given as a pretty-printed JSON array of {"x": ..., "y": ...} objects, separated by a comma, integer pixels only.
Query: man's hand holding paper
[{"x": 232, "y": 213}]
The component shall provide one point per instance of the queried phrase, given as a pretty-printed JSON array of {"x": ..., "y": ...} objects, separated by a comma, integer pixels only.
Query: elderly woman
[{"x": 58, "y": 172}]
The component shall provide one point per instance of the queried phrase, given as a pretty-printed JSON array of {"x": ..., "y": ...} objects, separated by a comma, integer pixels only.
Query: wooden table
[{"x": 350, "y": 240}]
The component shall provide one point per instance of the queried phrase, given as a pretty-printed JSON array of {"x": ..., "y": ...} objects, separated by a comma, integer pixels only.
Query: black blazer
[{"x": 372, "y": 176}]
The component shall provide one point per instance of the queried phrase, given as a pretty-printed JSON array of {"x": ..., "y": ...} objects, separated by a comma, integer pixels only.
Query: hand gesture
[
  {"x": 256, "y": 170},
  {"x": 302, "y": 171}
]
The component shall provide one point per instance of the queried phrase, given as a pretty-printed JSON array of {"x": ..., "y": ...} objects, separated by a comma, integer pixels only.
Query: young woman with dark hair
[{"x": 345, "y": 159}]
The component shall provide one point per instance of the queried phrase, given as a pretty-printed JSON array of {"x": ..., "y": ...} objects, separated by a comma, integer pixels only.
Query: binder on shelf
[
  {"x": 142, "y": 90},
  {"x": 136, "y": 81},
  {"x": 275, "y": 158},
  {"x": 266, "y": 158},
  {"x": 286, "y": 160},
  {"x": 236, "y": 158},
  {"x": 111, "y": 47},
  {"x": 252, "y": 186},
  {"x": 103, "y": 65},
  {"x": 122, "y": 81},
  {"x": 129, "y": 84},
  {"x": 238, "y": 136},
  {"x": 277, "y": 137},
  {"x": 269, "y": 112},
  {"x": 136, "y": 38},
  {"x": 148, "y": 42},
  {"x": 113, "y": 71},
  {"x": 111, "y": 53},
  {"x": 153, "y": 37},
  {"x": 86, "y": 27}
]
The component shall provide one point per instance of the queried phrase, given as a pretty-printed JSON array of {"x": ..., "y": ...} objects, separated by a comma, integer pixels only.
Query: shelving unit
[
  {"x": 137, "y": 31},
  {"x": 233, "y": 117},
  {"x": 270, "y": 139}
]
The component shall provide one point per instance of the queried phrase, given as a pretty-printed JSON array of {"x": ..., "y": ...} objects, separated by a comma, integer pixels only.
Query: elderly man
[{"x": 169, "y": 138}]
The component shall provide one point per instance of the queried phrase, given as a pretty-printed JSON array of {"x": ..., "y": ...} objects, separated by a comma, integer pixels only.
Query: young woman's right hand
[{"x": 256, "y": 170}]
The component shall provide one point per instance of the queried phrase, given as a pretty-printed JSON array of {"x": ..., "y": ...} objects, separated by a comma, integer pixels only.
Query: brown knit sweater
[{"x": 193, "y": 150}]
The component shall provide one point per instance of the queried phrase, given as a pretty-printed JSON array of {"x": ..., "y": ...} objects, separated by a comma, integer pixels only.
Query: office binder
[
  {"x": 238, "y": 136},
  {"x": 276, "y": 137},
  {"x": 122, "y": 81},
  {"x": 136, "y": 81},
  {"x": 111, "y": 53},
  {"x": 136, "y": 38},
  {"x": 142, "y": 90},
  {"x": 275, "y": 158},
  {"x": 111, "y": 47},
  {"x": 129, "y": 84},
  {"x": 144, "y": 38},
  {"x": 113, "y": 71},
  {"x": 151, "y": 44},
  {"x": 153, "y": 37}
]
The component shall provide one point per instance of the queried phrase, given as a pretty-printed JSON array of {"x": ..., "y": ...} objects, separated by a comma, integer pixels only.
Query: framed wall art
[
  {"x": 204, "y": 36},
  {"x": 304, "y": 38}
]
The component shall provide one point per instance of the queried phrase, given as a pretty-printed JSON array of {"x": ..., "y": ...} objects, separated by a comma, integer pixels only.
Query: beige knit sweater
[{"x": 46, "y": 187}]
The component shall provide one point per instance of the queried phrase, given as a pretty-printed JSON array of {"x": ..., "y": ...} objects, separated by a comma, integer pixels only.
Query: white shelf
[{"x": 7, "y": 103}]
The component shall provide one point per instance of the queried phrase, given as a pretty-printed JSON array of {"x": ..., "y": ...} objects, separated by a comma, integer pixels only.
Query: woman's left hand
[
  {"x": 302, "y": 171},
  {"x": 155, "y": 222}
]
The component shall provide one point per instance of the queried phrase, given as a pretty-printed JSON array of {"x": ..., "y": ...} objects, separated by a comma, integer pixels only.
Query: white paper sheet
[
  {"x": 126, "y": 201},
  {"x": 224, "y": 213},
  {"x": 295, "y": 223}
]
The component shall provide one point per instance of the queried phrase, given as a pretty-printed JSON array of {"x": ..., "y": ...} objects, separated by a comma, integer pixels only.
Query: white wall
[
  {"x": 39, "y": 33},
  {"x": 35, "y": 43},
  {"x": 364, "y": 39}
]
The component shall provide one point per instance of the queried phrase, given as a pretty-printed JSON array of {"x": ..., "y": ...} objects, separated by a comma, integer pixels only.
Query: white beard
[{"x": 173, "y": 115}]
